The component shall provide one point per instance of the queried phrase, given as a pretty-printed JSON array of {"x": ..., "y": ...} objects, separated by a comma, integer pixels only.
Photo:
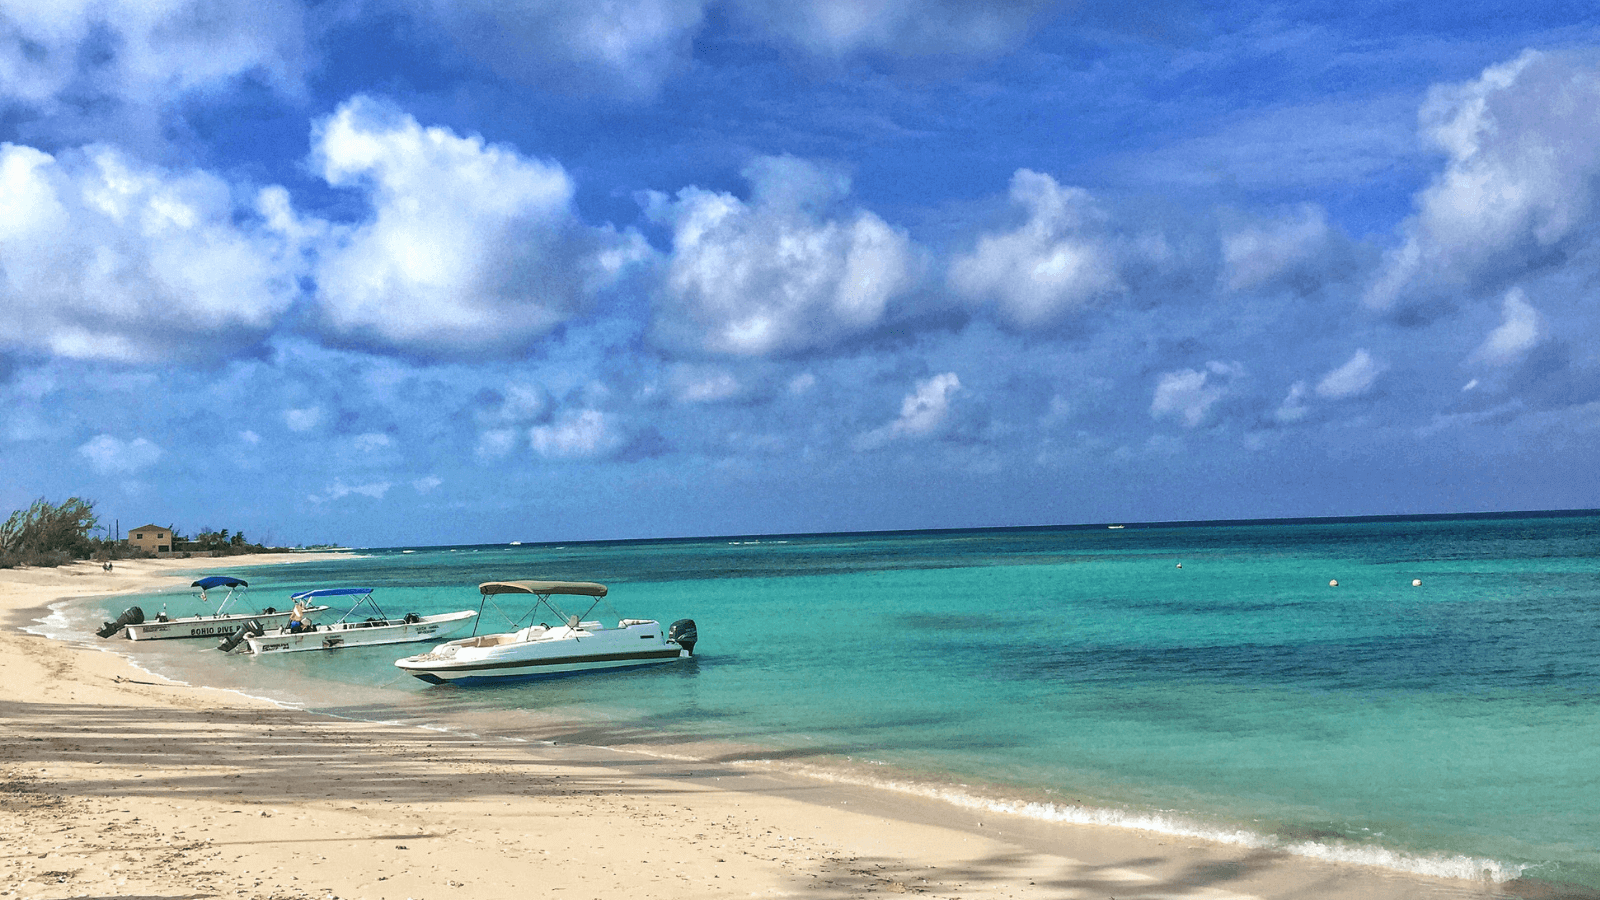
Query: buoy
[
  {"x": 1416, "y": 582},
  {"x": 1333, "y": 583}
]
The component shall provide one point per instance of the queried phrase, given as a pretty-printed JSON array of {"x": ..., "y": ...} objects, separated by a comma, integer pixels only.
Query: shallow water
[{"x": 1073, "y": 673}]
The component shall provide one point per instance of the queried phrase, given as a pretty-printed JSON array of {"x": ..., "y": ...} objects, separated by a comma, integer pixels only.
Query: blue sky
[{"x": 449, "y": 271}]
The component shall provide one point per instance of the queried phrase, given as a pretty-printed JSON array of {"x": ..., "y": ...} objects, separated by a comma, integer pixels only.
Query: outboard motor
[
  {"x": 682, "y": 632},
  {"x": 249, "y": 629},
  {"x": 133, "y": 615}
]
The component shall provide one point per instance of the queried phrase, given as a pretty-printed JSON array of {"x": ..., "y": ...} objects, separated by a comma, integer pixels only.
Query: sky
[{"x": 391, "y": 272}]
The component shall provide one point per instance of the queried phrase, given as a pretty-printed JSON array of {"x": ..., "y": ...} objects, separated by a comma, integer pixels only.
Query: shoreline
[{"x": 104, "y": 758}]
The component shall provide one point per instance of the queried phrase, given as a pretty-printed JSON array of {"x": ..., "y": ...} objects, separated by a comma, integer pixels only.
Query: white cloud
[
  {"x": 249, "y": 437},
  {"x": 903, "y": 28},
  {"x": 471, "y": 248},
  {"x": 628, "y": 48},
  {"x": 371, "y": 442},
  {"x": 113, "y": 456},
  {"x": 1352, "y": 379},
  {"x": 1294, "y": 406},
  {"x": 1522, "y": 146},
  {"x": 703, "y": 384},
  {"x": 302, "y": 420},
  {"x": 339, "y": 490},
  {"x": 1056, "y": 263},
  {"x": 582, "y": 434},
  {"x": 777, "y": 275},
  {"x": 427, "y": 484},
  {"x": 1520, "y": 329},
  {"x": 923, "y": 412},
  {"x": 99, "y": 66},
  {"x": 102, "y": 258},
  {"x": 1189, "y": 394},
  {"x": 496, "y": 443},
  {"x": 632, "y": 47},
  {"x": 1269, "y": 252}
]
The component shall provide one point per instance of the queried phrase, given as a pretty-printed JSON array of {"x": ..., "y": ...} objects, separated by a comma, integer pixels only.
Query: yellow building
[{"x": 154, "y": 538}]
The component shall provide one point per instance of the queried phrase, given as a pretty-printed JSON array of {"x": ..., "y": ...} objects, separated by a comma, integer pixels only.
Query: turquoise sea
[{"x": 1197, "y": 679}]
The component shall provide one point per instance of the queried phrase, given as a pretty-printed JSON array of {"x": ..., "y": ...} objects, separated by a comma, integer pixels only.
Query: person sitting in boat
[{"x": 298, "y": 621}]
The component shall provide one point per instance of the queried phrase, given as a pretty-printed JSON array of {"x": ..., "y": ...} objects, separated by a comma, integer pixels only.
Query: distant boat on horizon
[{"x": 1114, "y": 527}]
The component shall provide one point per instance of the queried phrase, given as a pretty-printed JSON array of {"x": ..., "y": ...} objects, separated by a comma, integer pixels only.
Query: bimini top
[
  {"x": 212, "y": 581},
  {"x": 331, "y": 592},
  {"x": 585, "y": 588}
]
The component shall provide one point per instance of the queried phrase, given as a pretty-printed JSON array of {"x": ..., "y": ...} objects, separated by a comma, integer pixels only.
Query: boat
[
  {"x": 576, "y": 644},
  {"x": 222, "y": 622},
  {"x": 302, "y": 633}
]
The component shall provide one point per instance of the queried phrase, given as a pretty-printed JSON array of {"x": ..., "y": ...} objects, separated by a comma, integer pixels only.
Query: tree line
[{"x": 52, "y": 534}]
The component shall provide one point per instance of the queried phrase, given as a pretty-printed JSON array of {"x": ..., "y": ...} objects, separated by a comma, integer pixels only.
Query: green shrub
[{"x": 46, "y": 531}]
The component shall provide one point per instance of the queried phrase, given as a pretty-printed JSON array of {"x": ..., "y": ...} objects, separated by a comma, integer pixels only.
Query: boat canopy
[
  {"x": 583, "y": 588},
  {"x": 330, "y": 592},
  {"x": 212, "y": 581}
]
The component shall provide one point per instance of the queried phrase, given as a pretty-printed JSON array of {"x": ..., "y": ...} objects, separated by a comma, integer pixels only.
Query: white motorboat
[
  {"x": 577, "y": 644},
  {"x": 218, "y": 624},
  {"x": 301, "y": 632}
]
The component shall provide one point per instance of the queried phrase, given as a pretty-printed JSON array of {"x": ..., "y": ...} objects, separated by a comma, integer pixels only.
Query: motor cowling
[
  {"x": 249, "y": 629},
  {"x": 682, "y": 632},
  {"x": 133, "y": 615}
]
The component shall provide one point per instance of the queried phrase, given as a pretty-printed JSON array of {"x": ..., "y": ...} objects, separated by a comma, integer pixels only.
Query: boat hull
[
  {"x": 567, "y": 652},
  {"x": 363, "y": 634},
  {"x": 206, "y": 626}
]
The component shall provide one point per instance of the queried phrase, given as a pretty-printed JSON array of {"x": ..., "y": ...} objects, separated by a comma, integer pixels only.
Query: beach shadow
[{"x": 286, "y": 755}]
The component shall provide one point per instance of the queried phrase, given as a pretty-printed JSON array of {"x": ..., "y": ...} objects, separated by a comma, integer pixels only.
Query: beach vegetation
[
  {"x": 54, "y": 534},
  {"x": 49, "y": 534},
  {"x": 219, "y": 541}
]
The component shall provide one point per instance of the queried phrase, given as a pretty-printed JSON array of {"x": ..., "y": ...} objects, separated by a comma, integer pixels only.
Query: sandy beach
[{"x": 117, "y": 783}]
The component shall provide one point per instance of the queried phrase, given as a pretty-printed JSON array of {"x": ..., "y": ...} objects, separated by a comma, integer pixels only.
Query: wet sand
[{"x": 117, "y": 783}]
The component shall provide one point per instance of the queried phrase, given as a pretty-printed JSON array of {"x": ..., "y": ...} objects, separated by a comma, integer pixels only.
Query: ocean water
[{"x": 1197, "y": 679}]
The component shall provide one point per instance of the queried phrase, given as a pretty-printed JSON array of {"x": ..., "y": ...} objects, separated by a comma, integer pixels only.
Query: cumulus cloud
[
  {"x": 623, "y": 47},
  {"x": 109, "y": 455},
  {"x": 78, "y": 66},
  {"x": 1520, "y": 329},
  {"x": 1055, "y": 263},
  {"x": 703, "y": 384},
  {"x": 1352, "y": 379},
  {"x": 923, "y": 412},
  {"x": 303, "y": 419},
  {"x": 371, "y": 442},
  {"x": 1294, "y": 406},
  {"x": 631, "y": 47},
  {"x": 496, "y": 443},
  {"x": 339, "y": 490},
  {"x": 1189, "y": 394},
  {"x": 1294, "y": 250},
  {"x": 577, "y": 434},
  {"x": 427, "y": 484},
  {"x": 103, "y": 258},
  {"x": 900, "y": 28},
  {"x": 471, "y": 247},
  {"x": 1519, "y": 186},
  {"x": 781, "y": 274}
]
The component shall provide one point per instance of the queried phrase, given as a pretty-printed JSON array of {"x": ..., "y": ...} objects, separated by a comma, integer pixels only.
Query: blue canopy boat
[
  {"x": 219, "y": 623},
  {"x": 301, "y": 632}
]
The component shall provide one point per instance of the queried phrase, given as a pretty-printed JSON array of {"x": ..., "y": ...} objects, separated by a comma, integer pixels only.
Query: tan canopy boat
[
  {"x": 577, "y": 644},
  {"x": 580, "y": 588}
]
